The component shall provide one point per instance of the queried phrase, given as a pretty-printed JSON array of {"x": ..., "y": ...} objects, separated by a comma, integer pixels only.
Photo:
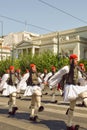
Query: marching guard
[
  {"x": 22, "y": 84},
  {"x": 3, "y": 83},
  {"x": 72, "y": 88},
  {"x": 44, "y": 85},
  {"x": 35, "y": 91},
  {"x": 18, "y": 76},
  {"x": 46, "y": 81},
  {"x": 11, "y": 91},
  {"x": 82, "y": 83}
]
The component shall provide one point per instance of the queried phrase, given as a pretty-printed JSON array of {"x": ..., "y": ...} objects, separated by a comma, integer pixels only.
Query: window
[
  {"x": 70, "y": 51},
  {"x": 36, "y": 50}
]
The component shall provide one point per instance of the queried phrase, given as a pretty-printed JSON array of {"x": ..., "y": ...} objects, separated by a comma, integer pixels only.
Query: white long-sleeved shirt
[{"x": 56, "y": 78}]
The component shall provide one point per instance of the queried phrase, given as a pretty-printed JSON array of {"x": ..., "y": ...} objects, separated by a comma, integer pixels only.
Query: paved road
[{"x": 52, "y": 118}]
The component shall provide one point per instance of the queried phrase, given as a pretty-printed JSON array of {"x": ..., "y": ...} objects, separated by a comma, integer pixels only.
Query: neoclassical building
[
  {"x": 63, "y": 42},
  {"x": 4, "y": 50}
]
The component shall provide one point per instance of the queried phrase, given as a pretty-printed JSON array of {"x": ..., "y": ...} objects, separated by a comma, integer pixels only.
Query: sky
[{"x": 41, "y": 16}]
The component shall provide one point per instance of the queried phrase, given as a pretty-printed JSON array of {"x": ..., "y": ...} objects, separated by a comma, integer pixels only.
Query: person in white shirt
[
  {"x": 72, "y": 88},
  {"x": 22, "y": 84},
  {"x": 44, "y": 85},
  {"x": 83, "y": 81},
  {"x": 46, "y": 80},
  {"x": 3, "y": 83},
  {"x": 35, "y": 91},
  {"x": 12, "y": 91}
]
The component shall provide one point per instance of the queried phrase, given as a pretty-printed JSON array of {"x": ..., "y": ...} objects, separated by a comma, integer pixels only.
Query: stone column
[{"x": 33, "y": 50}]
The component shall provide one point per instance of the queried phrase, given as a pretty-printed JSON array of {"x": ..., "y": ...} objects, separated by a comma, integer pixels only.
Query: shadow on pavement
[
  {"x": 53, "y": 124},
  {"x": 3, "y": 111}
]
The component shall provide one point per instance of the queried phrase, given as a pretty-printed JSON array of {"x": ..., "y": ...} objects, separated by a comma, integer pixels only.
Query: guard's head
[
  {"x": 18, "y": 70},
  {"x": 45, "y": 70},
  {"x": 82, "y": 66},
  {"x": 11, "y": 68},
  {"x": 53, "y": 68},
  {"x": 33, "y": 67},
  {"x": 7, "y": 71},
  {"x": 73, "y": 58}
]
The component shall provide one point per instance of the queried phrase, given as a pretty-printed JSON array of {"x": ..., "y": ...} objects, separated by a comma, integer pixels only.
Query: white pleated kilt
[
  {"x": 42, "y": 86},
  {"x": 30, "y": 90},
  {"x": 71, "y": 92},
  {"x": 3, "y": 84},
  {"x": 21, "y": 86},
  {"x": 8, "y": 89}
]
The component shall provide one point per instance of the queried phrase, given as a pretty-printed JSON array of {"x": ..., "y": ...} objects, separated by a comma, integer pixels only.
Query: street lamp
[
  {"x": 1, "y": 36},
  {"x": 58, "y": 45},
  {"x": 13, "y": 48},
  {"x": 58, "y": 42}
]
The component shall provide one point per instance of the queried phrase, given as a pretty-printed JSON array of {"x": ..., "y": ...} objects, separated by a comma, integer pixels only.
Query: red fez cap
[
  {"x": 18, "y": 70},
  {"x": 73, "y": 56},
  {"x": 53, "y": 68},
  {"x": 45, "y": 69},
  {"x": 32, "y": 65},
  {"x": 11, "y": 67},
  {"x": 81, "y": 64},
  {"x": 7, "y": 70}
]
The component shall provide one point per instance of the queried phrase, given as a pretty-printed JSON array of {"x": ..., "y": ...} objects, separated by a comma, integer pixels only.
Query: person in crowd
[
  {"x": 12, "y": 92},
  {"x": 22, "y": 84},
  {"x": 46, "y": 80},
  {"x": 72, "y": 87},
  {"x": 3, "y": 83},
  {"x": 43, "y": 75},
  {"x": 82, "y": 83},
  {"x": 18, "y": 76},
  {"x": 45, "y": 86},
  {"x": 34, "y": 90}
]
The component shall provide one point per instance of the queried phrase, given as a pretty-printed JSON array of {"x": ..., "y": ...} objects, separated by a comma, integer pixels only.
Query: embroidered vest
[
  {"x": 12, "y": 79},
  {"x": 33, "y": 79}
]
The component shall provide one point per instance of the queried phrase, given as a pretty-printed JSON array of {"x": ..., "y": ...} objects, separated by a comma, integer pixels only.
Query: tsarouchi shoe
[
  {"x": 33, "y": 118},
  {"x": 76, "y": 127},
  {"x": 14, "y": 109},
  {"x": 41, "y": 108},
  {"x": 54, "y": 101}
]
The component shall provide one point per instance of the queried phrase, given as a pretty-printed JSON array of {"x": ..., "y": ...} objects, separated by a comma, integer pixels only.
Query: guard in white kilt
[
  {"x": 72, "y": 87},
  {"x": 35, "y": 91},
  {"x": 3, "y": 83},
  {"x": 44, "y": 85},
  {"x": 12, "y": 92},
  {"x": 18, "y": 76},
  {"x": 83, "y": 81},
  {"x": 46, "y": 80},
  {"x": 22, "y": 84}
]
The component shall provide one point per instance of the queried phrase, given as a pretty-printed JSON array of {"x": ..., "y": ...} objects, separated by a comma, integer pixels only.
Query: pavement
[{"x": 52, "y": 118}]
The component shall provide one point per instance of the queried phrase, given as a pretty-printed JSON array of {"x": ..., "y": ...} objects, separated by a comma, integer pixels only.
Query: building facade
[
  {"x": 63, "y": 42},
  {"x": 5, "y": 51}
]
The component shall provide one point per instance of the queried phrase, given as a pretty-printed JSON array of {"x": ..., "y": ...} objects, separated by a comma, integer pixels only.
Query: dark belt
[
  {"x": 72, "y": 83},
  {"x": 35, "y": 84}
]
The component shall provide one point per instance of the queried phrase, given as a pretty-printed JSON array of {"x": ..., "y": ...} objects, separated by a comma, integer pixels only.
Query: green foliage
[
  {"x": 44, "y": 60},
  {"x": 16, "y": 64},
  {"x": 4, "y": 64}
]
